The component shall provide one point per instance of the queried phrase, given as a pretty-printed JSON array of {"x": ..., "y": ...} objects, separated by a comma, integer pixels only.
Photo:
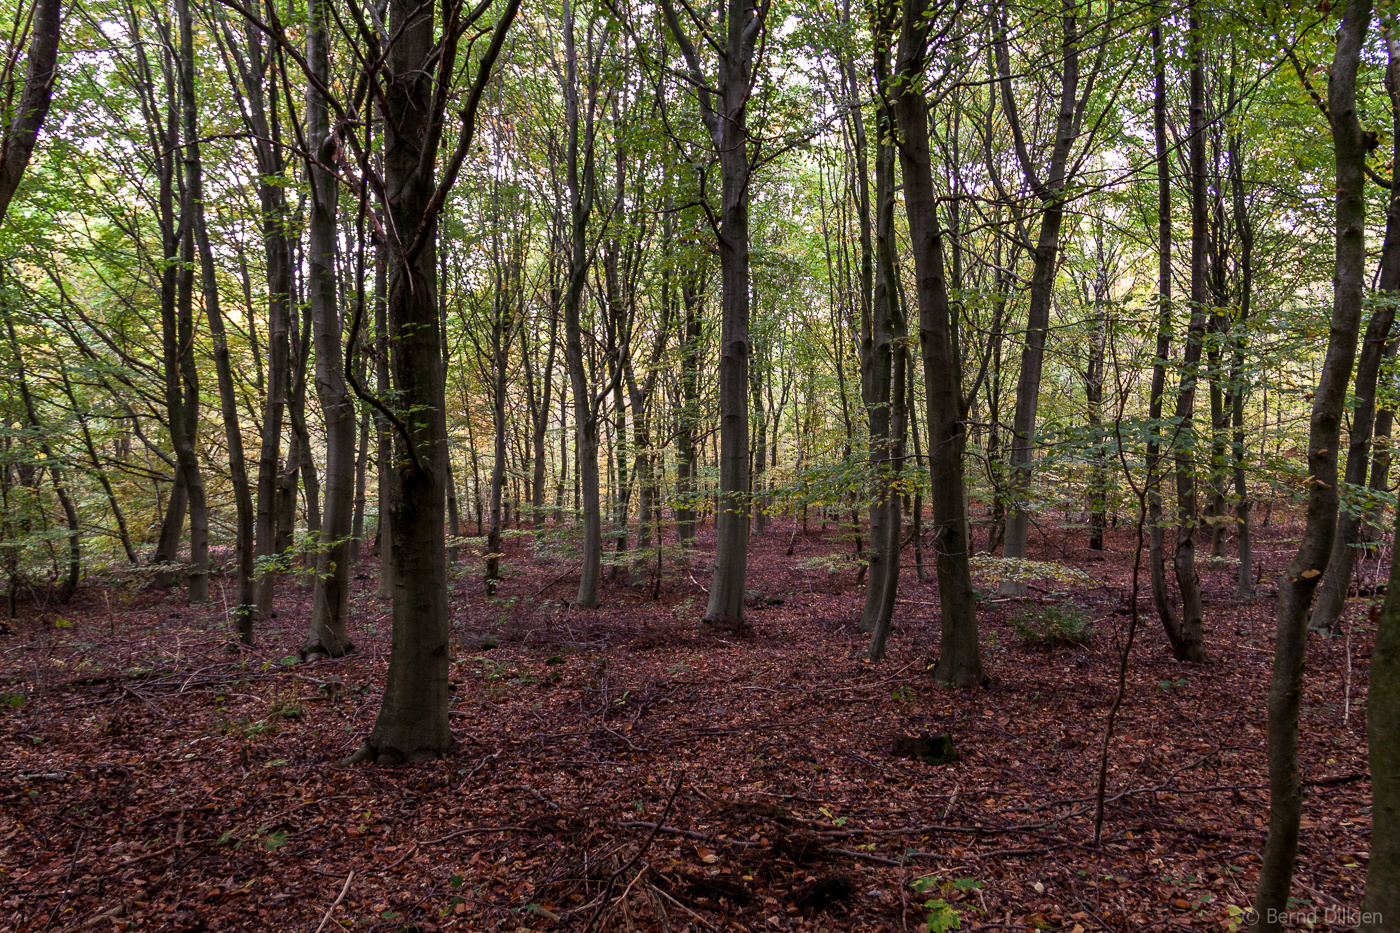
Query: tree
[
  {"x": 21, "y": 133},
  {"x": 1351, "y": 144},
  {"x": 960, "y": 658},
  {"x": 328, "y": 635},
  {"x": 723, "y": 102}
]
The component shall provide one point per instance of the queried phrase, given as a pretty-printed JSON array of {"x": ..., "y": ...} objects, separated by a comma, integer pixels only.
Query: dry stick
[
  {"x": 72, "y": 864},
  {"x": 1141, "y": 492},
  {"x": 335, "y": 903},
  {"x": 607, "y": 889},
  {"x": 1122, "y": 681}
]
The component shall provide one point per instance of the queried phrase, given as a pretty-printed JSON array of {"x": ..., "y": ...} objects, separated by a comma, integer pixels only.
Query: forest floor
[{"x": 153, "y": 780}]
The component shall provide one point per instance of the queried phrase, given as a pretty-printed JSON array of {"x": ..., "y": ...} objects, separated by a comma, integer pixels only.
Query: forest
[{"x": 655, "y": 465}]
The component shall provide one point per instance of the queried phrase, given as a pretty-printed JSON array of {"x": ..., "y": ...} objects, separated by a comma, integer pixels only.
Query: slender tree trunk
[
  {"x": 1156, "y": 554},
  {"x": 99, "y": 473},
  {"x": 177, "y": 328},
  {"x": 65, "y": 501},
  {"x": 960, "y": 659},
  {"x": 328, "y": 635},
  {"x": 241, "y": 613},
  {"x": 1050, "y": 192},
  {"x": 688, "y": 416},
  {"x": 883, "y": 359},
  {"x": 1188, "y": 645},
  {"x": 1298, "y": 582},
  {"x": 1382, "y": 901},
  {"x": 1332, "y": 593}
]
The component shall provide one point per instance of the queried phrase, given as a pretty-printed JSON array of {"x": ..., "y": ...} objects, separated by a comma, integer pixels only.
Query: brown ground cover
[{"x": 619, "y": 770}]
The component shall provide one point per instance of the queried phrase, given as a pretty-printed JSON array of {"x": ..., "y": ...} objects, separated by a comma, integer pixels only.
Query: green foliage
[
  {"x": 942, "y": 915},
  {"x": 993, "y": 570},
  {"x": 1055, "y": 624},
  {"x": 832, "y": 564}
]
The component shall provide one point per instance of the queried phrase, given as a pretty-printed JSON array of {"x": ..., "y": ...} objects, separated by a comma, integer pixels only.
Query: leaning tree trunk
[
  {"x": 1331, "y": 597},
  {"x": 960, "y": 659},
  {"x": 1298, "y": 582},
  {"x": 17, "y": 142},
  {"x": 327, "y": 635},
  {"x": 65, "y": 501}
]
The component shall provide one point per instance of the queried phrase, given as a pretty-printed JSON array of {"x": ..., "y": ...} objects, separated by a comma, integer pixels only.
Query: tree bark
[
  {"x": 41, "y": 72},
  {"x": 960, "y": 659},
  {"x": 1187, "y": 643},
  {"x": 1332, "y": 593},
  {"x": 328, "y": 635},
  {"x": 725, "y": 114},
  {"x": 1382, "y": 901},
  {"x": 241, "y": 613},
  {"x": 1301, "y": 578}
]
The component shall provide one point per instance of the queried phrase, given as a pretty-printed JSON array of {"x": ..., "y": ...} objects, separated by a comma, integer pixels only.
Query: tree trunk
[
  {"x": 328, "y": 635},
  {"x": 1187, "y": 643},
  {"x": 1382, "y": 901},
  {"x": 1156, "y": 554},
  {"x": 692, "y": 295},
  {"x": 724, "y": 112},
  {"x": 241, "y": 614},
  {"x": 1299, "y": 581},
  {"x": 41, "y": 73},
  {"x": 65, "y": 501},
  {"x": 1332, "y": 593},
  {"x": 1050, "y": 192},
  {"x": 960, "y": 659},
  {"x": 882, "y": 356},
  {"x": 412, "y": 722}
]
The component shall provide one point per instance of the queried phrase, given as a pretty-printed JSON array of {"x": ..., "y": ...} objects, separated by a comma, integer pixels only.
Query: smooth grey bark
[
  {"x": 883, "y": 358},
  {"x": 723, "y": 102},
  {"x": 1300, "y": 579},
  {"x": 419, "y": 70},
  {"x": 328, "y": 633},
  {"x": 960, "y": 658}
]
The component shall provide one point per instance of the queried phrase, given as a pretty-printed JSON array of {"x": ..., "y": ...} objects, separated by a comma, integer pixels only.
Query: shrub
[{"x": 1056, "y": 624}]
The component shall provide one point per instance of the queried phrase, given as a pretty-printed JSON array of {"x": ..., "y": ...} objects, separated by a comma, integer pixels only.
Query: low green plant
[
  {"x": 942, "y": 915},
  {"x": 1055, "y": 624}
]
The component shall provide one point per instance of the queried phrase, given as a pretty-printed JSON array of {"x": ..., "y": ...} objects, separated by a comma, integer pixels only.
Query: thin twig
[
  {"x": 335, "y": 903},
  {"x": 607, "y": 889}
]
